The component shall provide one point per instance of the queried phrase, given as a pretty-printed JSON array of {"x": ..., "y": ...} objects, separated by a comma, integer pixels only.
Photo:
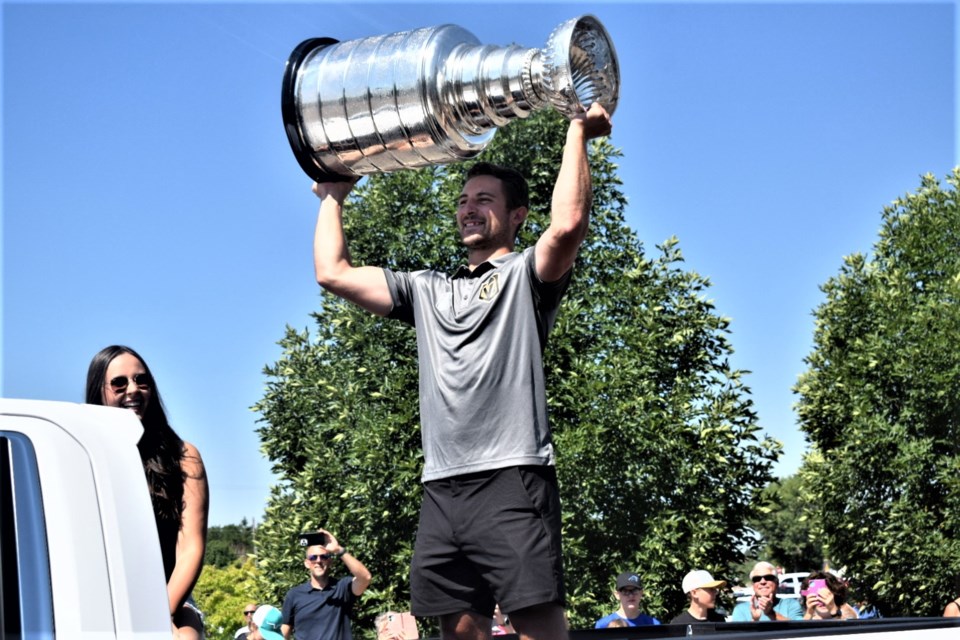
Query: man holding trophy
[
  {"x": 490, "y": 521},
  {"x": 489, "y": 531}
]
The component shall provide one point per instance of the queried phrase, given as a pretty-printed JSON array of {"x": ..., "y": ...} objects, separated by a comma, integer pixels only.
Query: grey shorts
[{"x": 487, "y": 538}]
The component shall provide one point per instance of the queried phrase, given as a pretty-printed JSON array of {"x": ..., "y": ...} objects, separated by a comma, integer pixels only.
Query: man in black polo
[
  {"x": 489, "y": 527},
  {"x": 319, "y": 609}
]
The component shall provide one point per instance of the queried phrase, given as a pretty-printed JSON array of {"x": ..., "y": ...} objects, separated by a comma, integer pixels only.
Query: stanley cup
[{"x": 433, "y": 95}]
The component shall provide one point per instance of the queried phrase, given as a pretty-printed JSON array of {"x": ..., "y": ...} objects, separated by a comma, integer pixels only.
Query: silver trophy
[{"x": 434, "y": 95}]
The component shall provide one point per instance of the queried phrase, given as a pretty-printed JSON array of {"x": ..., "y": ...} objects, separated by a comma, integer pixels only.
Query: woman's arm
[{"x": 192, "y": 540}]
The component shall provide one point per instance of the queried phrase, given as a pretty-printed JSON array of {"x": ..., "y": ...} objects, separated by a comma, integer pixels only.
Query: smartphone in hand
[{"x": 312, "y": 539}]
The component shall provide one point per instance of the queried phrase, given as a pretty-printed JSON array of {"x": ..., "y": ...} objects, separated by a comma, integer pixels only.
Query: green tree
[
  {"x": 660, "y": 458},
  {"x": 880, "y": 404},
  {"x": 784, "y": 528},
  {"x": 221, "y": 593},
  {"x": 228, "y": 544}
]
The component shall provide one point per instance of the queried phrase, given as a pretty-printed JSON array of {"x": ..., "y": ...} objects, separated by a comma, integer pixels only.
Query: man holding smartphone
[
  {"x": 319, "y": 609},
  {"x": 764, "y": 605}
]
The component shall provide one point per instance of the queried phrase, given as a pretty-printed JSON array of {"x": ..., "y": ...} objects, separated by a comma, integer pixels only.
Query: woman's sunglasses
[{"x": 120, "y": 383}]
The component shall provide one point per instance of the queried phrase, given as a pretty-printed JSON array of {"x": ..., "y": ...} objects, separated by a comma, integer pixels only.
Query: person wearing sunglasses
[
  {"x": 119, "y": 377},
  {"x": 764, "y": 605},
  {"x": 243, "y": 632},
  {"x": 319, "y": 609}
]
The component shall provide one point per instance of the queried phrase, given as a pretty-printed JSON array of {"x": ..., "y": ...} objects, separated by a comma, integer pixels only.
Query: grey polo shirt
[{"x": 480, "y": 340}]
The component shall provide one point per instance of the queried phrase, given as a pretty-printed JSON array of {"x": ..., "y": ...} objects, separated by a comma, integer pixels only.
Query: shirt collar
[{"x": 463, "y": 271}]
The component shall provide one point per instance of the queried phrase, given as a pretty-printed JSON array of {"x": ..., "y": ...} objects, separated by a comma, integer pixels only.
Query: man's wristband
[{"x": 342, "y": 551}]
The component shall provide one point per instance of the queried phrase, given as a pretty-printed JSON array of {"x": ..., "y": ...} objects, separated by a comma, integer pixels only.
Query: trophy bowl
[{"x": 433, "y": 95}]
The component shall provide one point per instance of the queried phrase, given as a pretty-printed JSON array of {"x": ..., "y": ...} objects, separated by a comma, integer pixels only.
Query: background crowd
[{"x": 823, "y": 595}]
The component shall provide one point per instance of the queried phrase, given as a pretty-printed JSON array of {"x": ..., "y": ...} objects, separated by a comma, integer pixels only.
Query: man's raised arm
[
  {"x": 364, "y": 286},
  {"x": 572, "y": 197}
]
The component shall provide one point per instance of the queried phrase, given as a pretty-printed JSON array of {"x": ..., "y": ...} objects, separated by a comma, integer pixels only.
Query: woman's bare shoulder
[{"x": 191, "y": 462}]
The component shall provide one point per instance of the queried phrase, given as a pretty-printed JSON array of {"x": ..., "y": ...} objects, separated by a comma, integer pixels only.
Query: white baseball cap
[{"x": 700, "y": 579}]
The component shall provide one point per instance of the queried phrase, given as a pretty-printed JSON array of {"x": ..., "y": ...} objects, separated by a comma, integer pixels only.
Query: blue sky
[{"x": 150, "y": 196}]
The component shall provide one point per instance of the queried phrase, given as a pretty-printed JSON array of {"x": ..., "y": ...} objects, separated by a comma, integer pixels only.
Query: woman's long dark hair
[{"x": 161, "y": 449}]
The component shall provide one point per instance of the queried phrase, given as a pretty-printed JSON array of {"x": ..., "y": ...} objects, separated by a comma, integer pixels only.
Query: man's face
[
  {"x": 706, "y": 596},
  {"x": 629, "y": 598},
  {"x": 764, "y": 584},
  {"x": 482, "y": 215},
  {"x": 248, "y": 612},
  {"x": 317, "y": 561}
]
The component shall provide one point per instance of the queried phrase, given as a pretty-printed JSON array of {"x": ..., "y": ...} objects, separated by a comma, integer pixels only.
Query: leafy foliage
[
  {"x": 221, "y": 593},
  {"x": 228, "y": 544},
  {"x": 784, "y": 529},
  {"x": 880, "y": 404},
  {"x": 660, "y": 458}
]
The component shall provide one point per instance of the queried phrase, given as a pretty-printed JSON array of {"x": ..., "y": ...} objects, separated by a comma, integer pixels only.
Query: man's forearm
[
  {"x": 573, "y": 191},
  {"x": 354, "y": 566},
  {"x": 364, "y": 286},
  {"x": 570, "y": 209},
  {"x": 330, "y": 252},
  {"x": 361, "y": 575}
]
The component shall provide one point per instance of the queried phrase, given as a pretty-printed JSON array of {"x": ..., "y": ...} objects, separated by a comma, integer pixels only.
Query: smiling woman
[{"x": 119, "y": 377}]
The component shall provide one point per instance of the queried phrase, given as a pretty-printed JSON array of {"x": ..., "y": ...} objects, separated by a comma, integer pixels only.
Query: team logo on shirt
[{"x": 490, "y": 288}]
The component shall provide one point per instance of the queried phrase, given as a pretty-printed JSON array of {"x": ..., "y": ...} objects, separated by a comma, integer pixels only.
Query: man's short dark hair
[{"x": 514, "y": 184}]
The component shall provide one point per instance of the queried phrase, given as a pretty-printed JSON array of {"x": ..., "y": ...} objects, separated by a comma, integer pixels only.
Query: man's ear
[{"x": 518, "y": 215}]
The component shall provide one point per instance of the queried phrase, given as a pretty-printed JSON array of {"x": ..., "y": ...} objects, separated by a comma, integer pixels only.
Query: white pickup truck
[{"x": 79, "y": 556}]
